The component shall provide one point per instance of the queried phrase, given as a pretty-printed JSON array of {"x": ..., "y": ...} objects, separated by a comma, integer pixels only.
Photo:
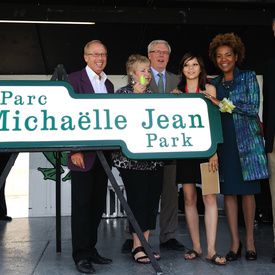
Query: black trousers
[
  {"x": 3, "y": 206},
  {"x": 4, "y": 158},
  {"x": 88, "y": 203},
  {"x": 143, "y": 189}
]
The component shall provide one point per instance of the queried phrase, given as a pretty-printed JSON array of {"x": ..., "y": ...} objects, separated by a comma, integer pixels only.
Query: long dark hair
[{"x": 202, "y": 76}]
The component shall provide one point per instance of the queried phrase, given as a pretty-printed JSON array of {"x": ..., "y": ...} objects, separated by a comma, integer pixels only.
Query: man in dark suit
[
  {"x": 269, "y": 126},
  {"x": 89, "y": 180},
  {"x": 164, "y": 82}
]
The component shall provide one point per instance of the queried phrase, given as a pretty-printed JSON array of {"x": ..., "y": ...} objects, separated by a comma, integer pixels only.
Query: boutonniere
[{"x": 226, "y": 106}]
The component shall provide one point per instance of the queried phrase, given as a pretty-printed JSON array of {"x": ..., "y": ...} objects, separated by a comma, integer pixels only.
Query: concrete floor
[{"x": 28, "y": 246}]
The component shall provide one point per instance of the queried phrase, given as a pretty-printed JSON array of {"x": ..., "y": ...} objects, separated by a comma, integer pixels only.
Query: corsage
[{"x": 226, "y": 106}]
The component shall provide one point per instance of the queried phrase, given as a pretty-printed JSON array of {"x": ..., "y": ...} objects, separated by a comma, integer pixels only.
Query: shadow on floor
[{"x": 28, "y": 246}]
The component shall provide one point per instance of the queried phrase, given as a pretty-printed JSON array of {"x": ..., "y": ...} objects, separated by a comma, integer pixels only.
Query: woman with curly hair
[{"x": 242, "y": 158}]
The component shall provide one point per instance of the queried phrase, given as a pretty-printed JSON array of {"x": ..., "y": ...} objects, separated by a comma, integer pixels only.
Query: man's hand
[{"x": 78, "y": 160}]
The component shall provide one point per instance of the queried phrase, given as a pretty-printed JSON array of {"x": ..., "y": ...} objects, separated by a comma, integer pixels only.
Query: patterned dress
[
  {"x": 242, "y": 159},
  {"x": 233, "y": 183}
]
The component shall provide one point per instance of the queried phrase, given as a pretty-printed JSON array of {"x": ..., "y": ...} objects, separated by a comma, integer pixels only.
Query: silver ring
[
  {"x": 75, "y": 163},
  {"x": 210, "y": 96}
]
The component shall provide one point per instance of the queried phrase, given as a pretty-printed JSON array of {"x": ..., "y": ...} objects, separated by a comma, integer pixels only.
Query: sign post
[{"x": 58, "y": 75}]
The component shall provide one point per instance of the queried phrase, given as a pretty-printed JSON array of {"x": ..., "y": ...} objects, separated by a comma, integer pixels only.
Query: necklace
[
  {"x": 229, "y": 85},
  {"x": 189, "y": 91}
]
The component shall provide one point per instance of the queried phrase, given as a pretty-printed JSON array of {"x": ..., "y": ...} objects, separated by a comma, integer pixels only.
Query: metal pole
[
  {"x": 58, "y": 75},
  {"x": 58, "y": 202},
  {"x": 129, "y": 212}
]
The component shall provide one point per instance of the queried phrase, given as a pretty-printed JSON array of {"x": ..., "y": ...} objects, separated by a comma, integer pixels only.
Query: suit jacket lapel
[
  {"x": 87, "y": 86},
  {"x": 86, "y": 83},
  {"x": 109, "y": 86},
  {"x": 169, "y": 84},
  {"x": 153, "y": 85}
]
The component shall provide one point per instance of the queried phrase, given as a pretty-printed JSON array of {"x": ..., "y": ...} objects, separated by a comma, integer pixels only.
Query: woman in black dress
[{"x": 193, "y": 80}]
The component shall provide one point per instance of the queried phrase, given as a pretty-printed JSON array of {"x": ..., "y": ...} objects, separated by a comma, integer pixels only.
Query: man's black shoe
[
  {"x": 85, "y": 266},
  {"x": 273, "y": 258},
  {"x": 5, "y": 218},
  {"x": 172, "y": 244},
  {"x": 127, "y": 246},
  {"x": 96, "y": 258}
]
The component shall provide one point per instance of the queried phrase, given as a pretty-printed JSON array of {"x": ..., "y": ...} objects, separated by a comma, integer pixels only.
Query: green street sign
[{"x": 42, "y": 115}]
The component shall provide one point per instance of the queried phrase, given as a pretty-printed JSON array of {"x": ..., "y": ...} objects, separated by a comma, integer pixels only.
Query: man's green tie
[{"x": 160, "y": 83}]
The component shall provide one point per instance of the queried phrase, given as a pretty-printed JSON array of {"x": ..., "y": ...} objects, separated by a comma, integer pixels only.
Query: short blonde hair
[{"x": 133, "y": 61}]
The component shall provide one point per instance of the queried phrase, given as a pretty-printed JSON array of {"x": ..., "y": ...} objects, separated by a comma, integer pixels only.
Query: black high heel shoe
[
  {"x": 251, "y": 255},
  {"x": 232, "y": 256}
]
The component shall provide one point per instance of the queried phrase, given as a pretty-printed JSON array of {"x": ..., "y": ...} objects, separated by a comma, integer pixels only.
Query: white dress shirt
[
  {"x": 155, "y": 74},
  {"x": 98, "y": 84}
]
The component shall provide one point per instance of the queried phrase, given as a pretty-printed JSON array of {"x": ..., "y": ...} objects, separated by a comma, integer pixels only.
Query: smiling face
[
  {"x": 191, "y": 68},
  {"x": 159, "y": 60},
  {"x": 97, "y": 64},
  {"x": 226, "y": 59},
  {"x": 142, "y": 69}
]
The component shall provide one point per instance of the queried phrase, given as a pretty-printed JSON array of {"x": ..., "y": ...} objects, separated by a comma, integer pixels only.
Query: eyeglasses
[
  {"x": 159, "y": 52},
  {"x": 98, "y": 54}
]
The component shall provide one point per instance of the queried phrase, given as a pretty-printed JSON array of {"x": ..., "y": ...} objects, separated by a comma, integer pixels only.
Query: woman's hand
[
  {"x": 139, "y": 88},
  {"x": 213, "y": 163},
  {"x": 176, "y": 91},
  {"x": 214, "y": 100},
  {"x": 78, "y": 160}
]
